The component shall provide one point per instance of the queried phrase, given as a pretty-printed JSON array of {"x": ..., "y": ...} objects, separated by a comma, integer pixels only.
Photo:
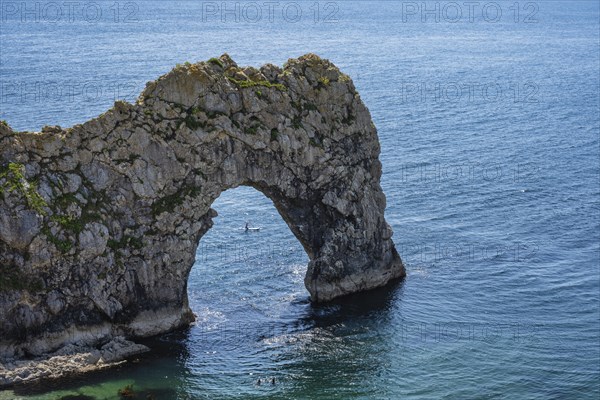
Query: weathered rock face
[{"x": 99, "y": 223}]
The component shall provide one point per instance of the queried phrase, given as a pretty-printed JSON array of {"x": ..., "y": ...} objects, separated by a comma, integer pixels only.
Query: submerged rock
[{"x": 100, "y": 222}]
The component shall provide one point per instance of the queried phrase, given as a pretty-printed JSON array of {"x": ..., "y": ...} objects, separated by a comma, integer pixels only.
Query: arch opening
[{"x": 246, "y": 275}]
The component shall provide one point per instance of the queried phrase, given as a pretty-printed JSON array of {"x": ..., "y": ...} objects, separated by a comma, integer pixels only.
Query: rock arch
[{"x": 100, "y": 222}]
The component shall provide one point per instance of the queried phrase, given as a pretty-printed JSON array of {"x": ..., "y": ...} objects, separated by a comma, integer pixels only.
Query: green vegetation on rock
[
  {"x": 216, "y": 61},
  {"x": 297, "y": 122},
  {"x": 192, "y": 123},
  {"x": 274, "y": 134},
  {"x": 64, "y": 246},
  {"x": 324, "y": 81},
  {"x": 314, "y": 143},
  {"x": 14, "y": 174},
  {"x": 310, "y": 107},
  {"x": 74, "y": 224},
  {"x": 11, "y": 278},
  {"x": 126, "y": 241},
  {"x": 251, "y": 130},
  {"x": 168, "y": 203},
  {"x": 249, "y": 84}
]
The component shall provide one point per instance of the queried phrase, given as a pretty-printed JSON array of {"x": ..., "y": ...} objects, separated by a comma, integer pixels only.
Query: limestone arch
[{"x": 101, "y": 221}]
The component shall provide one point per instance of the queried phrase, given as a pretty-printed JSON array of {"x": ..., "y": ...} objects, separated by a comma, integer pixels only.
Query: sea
[{"x": 488, "y": 114}]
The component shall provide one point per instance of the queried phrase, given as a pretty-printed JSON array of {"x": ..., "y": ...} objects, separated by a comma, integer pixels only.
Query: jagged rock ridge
[{"x": 100, "y": 222}]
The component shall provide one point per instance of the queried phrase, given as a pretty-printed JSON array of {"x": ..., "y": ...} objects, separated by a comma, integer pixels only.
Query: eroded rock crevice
[{"x": 99, "y": 223}]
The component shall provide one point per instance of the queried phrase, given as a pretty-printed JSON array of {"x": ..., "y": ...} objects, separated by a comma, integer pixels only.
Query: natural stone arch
[{"x": 100, "y": 222}]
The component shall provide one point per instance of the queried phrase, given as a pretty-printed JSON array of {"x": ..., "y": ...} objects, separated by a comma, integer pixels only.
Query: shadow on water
[
  {"x": 375, "y": 303},
  {"x": 327, "y": 345},
  {"x": 340, "y": 347}
]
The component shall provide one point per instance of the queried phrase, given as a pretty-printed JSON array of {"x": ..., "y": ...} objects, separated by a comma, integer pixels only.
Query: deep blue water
[{"x": 490, "y": 148}]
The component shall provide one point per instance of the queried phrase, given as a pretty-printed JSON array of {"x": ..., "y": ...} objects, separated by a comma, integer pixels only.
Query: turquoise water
[{"x": 490, "y": 149}]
